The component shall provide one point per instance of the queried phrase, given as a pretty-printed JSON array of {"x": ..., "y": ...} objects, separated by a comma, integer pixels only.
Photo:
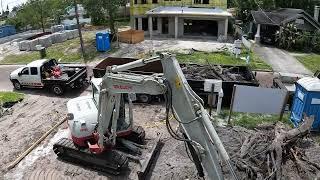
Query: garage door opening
[{"x": 200, "y": 28}]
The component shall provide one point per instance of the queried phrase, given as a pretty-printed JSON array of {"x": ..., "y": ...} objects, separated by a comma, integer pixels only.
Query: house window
[
  {"x": 143, "y": 1},
  {"x": 135, "y": 1},
  {"x": 201, "y": 1},
  {"x": 155, "y": 24},
  {"x": 145, "y": 24},
  {"x": 154, "y": 1}
]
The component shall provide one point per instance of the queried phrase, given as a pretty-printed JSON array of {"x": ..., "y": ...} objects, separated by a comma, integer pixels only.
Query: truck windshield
[{"x": 95, "y": 93}]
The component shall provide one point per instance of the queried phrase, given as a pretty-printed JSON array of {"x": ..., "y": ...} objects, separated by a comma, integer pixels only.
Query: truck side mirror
[{"x": 19, "y": 74}]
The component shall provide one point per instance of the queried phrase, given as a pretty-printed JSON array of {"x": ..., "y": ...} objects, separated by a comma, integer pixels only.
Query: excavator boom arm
[{"x": 184, "y": 103}]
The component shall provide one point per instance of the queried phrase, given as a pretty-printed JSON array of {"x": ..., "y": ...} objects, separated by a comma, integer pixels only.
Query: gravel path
[{"x": 281, "y": 61}]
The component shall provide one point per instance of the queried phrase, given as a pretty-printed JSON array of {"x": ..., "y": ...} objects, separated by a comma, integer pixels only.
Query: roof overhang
[
  {"x": 278, "y": 18},
  {"x": 188, "y": 11}
]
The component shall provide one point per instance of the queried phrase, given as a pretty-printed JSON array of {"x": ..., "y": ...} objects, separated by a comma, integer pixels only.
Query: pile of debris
[
  {"x": 225, "y": 73},
  {"x": 272, "y": 152},
  {"x": 5, "y": 110}
]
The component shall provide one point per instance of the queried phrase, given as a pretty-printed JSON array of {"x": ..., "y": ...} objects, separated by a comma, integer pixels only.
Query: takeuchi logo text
[{"x": 122, "y": 87}]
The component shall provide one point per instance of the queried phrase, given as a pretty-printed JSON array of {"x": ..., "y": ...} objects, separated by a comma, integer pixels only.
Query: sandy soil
[
  {"x": 173, "y": 162},
  {"x": 29, "y": 120},
  {"x": 36, "y": 114}
]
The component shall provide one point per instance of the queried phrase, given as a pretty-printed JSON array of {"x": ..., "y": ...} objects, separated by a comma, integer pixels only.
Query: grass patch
[
  {"x": 68, "y": 51},
  {"x": 250, "y": 121},
  {"x": 312, "y": 61},
  {"x": 223, "y": 58},
  {"x": 6, "y": 97}
]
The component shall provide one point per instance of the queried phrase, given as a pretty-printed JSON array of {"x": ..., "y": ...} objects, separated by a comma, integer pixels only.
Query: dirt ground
[
  {"x": 40, "y": 111},
  {"x": 36, "y": 114},
  {"x": 29, "y": 120}
]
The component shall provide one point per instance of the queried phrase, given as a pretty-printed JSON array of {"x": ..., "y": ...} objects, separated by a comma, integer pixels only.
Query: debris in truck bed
[
  {"x": 201, "y": 72},
  {"x": 272, "y": 152}
]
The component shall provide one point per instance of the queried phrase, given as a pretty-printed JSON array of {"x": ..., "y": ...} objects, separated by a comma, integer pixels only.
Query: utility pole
[{"x": 79, "y": 29}]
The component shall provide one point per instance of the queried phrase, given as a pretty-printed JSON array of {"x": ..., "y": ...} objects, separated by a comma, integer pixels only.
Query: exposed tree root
[{"x": 265, "y": 152}]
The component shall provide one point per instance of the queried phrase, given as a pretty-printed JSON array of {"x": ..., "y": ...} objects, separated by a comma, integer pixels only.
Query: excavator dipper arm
[{"x": 185, "y": 104}]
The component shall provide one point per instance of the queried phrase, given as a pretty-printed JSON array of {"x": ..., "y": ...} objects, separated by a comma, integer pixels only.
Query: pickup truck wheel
[
  {"x": 57, "y": 89},
  {"x": 16, "y": 85}
]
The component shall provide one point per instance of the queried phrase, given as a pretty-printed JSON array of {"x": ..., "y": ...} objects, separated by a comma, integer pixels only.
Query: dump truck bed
[{"x": 194, "y": 73}]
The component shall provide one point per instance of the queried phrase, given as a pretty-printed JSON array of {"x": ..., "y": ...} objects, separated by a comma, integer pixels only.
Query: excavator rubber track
[{"x": 109, "y": 162}]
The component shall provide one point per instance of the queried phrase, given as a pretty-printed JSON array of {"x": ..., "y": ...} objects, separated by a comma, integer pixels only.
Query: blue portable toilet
[
  {"x": 306, "y": 100},
  {"x": 102, "y": 41}
]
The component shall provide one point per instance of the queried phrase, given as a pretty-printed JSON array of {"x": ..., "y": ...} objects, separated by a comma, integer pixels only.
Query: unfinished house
[{"x": 180, "y": 18}]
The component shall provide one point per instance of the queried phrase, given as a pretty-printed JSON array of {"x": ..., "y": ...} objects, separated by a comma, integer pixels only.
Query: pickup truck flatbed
[{"x": 47, "y": 73}]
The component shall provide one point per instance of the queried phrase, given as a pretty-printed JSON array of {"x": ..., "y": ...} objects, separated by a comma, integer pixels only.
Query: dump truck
[
  {"x": 195, "y": 74},
  {"x": 48, "y": 73}
]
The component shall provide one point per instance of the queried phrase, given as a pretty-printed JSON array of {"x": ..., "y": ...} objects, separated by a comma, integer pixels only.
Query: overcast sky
[{"x": 10, "y": 3}]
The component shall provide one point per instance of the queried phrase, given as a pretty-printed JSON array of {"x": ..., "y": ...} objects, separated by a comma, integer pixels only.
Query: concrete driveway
[
  {"x": 5, "y": 70},
  {"x": 281, "y": 61}
]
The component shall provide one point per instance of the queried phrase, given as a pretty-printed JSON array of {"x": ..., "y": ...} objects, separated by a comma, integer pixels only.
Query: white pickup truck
[{"x": 47, "y": 73}]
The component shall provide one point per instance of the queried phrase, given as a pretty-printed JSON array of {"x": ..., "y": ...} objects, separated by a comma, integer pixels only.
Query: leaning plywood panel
[{"x": 131, "y": 36}]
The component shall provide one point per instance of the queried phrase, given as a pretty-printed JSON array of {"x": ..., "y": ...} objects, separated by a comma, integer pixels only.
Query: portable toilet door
[
  {"x": 297, "y": 110},
  {"x": 99, "y": 41},
  {"x": 306, "y": 101},
  {"x": 107, "y": 41}
]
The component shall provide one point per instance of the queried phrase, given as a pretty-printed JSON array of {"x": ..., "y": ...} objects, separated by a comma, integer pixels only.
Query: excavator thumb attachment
[{"x": 151, "y": 158}]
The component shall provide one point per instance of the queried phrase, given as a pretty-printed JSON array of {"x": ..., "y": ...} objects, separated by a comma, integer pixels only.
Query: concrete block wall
[{"x": 48, "y": 40}]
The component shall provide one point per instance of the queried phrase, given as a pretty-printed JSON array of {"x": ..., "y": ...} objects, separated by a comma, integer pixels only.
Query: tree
[
  {"x": 112, "y": 7},
  {"x": 307, "y": 5},
  {"x": 102, "y": 11},
  {"x": 244, "y": 7},
  {"x": 95, "y": 11},
  {"x": 287, "y": 36},
  {"x": 58, "y": 9},
  {"x": 38, "y": 13}
]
